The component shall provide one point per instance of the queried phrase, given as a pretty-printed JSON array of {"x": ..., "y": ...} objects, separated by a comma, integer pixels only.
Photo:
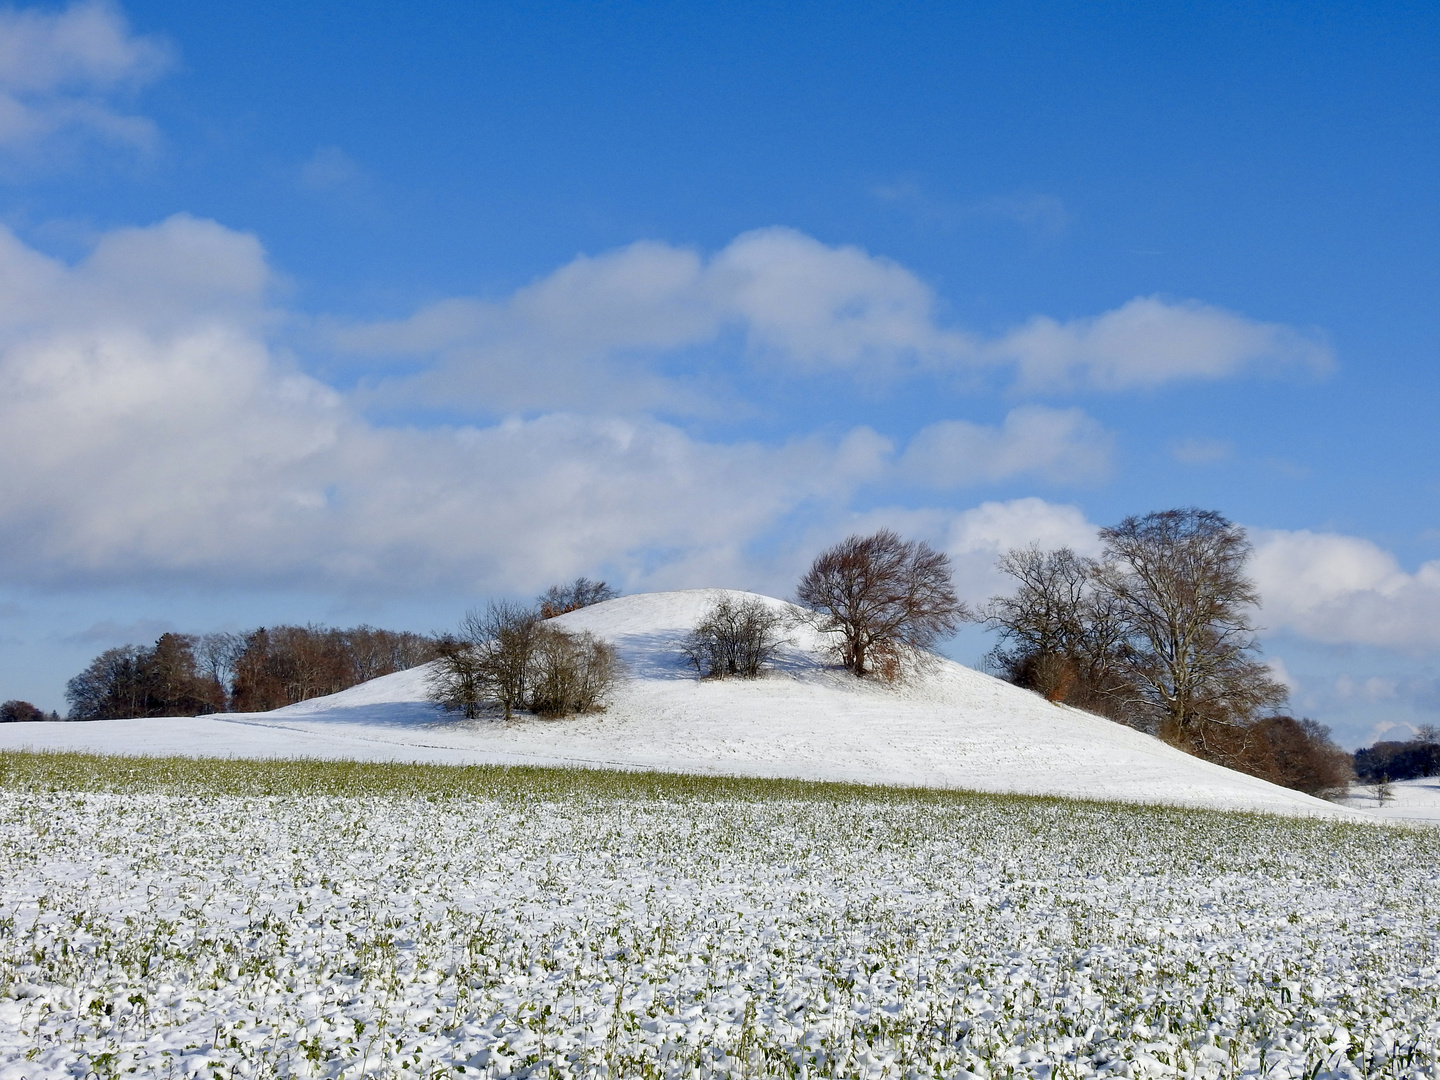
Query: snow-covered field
[
  {"x": 200, "y": 918},
  {"x": 1414, "y": 801},
  {"x": 952, "y": 727}
]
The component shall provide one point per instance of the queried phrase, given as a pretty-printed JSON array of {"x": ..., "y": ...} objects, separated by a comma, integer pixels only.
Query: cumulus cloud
[
  {"x": 597, "y": 331},
  {"x": 150, "y": 432},
  {"x": 63, "y": 71},
  {"x": 1056, "y": 445},
  {"x": 589, "y": 333},
  {"x": 1344, "y": 589},
  {"x": 1151, "y": 341}
]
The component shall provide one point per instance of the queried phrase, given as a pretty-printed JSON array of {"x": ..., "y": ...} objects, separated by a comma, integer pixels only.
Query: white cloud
[
  {"x": 1335, "y": 588},
  {"x": 1057, "y": 445},
  {"x": 588, "y": 334},
  {"x": 595, "y": 332},
  {"x": 1148, "y": 342},
  {"x": 149, "y": 432},
  {"x": 61, "y": 70}
]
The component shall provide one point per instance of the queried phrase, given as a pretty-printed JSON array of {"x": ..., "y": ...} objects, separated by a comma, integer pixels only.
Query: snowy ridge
[{"x": 950, "y": 727}]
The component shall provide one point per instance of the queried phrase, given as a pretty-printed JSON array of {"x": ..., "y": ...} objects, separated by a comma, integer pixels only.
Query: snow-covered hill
[{"x": 951, "y": 727}]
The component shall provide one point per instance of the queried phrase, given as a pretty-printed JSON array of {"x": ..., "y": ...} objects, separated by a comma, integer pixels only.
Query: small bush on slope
[
  {"x": 735, "y": 637},
  {"x": 508, "y": 656}
]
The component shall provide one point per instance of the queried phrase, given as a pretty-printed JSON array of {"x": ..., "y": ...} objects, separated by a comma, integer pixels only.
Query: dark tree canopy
[
  {"x": 20, "y": 712},
  {"x": 133, "y": 680},
  {"x": 883, "y": 599},
  {"x": 184, "y": 675},
  {"x": 1396, "y": 760}
]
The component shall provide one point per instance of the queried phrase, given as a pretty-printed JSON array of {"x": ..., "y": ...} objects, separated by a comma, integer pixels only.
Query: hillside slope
[{"x": 950, "y": 727}]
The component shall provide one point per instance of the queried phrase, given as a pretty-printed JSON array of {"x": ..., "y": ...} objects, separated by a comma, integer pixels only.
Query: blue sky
[{"x": 369, "y": 312}]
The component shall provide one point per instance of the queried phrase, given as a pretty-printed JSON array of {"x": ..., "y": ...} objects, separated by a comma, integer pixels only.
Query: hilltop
[{"x": 949, "y": 726}]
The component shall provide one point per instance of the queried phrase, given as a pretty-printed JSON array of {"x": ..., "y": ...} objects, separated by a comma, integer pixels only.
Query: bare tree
[
  {"x": 216, "y": 655},
  {"x": 582, "y": 592},
  {"x": 1178, "y": 580},
  {"x": 455, "y": 681},
  {"x": 503, "y": 639},
  {"x": 570, "y": 673},
  {"x": 508, "y": 656},
  {"x": 883, "y": 598},
  {"x": 735, "y": 637},
  {"x": 1059, "y": 634}
]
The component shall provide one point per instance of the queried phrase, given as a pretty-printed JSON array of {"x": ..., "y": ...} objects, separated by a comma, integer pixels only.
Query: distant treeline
[
  {"x": 190, "y": 675},
  {"x": 1420, "y": 756}
]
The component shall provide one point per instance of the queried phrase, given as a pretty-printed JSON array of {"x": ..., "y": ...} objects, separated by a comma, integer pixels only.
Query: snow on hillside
[{"x": 950, "y": 727}]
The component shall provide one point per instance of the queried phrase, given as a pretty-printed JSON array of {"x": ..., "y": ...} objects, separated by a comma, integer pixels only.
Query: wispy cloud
[
  {"x": 67, "y": 72},
  {"x": 1061, "y": 446},
  {"x": 1040, "y": 214},
  {"x": 1200, "y": 451}
]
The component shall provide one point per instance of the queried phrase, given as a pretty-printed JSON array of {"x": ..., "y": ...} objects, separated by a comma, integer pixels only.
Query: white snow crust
[{"x": 948, "y": 727}]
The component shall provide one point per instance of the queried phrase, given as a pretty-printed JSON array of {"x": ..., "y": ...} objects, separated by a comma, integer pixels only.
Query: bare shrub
[
  {"x": 508, "y": 656},
  {"x": 570, "y": 673},
  {"x": 582, "y": 592},
  {"x": 455, "y": 682},
  {"x": 503, "y": 640},
  {"x": 881, "y": 595},
  {"x": 735, "y": 637}
]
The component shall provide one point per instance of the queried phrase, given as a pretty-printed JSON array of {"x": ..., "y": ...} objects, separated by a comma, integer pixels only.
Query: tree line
[
  {"x": 255, "y": 671},
  {"x": 1411, "y": 759}
]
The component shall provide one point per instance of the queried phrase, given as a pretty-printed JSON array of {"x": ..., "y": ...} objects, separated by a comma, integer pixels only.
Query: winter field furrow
[{"x": 201, "y": 918}]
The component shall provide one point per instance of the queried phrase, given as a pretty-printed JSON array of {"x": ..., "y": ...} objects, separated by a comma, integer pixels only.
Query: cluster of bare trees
[
  {"x": 582, "y": 592},
  {"x": 510, "y": 657},
  {"x": 736, "y": 637},
  {"x": 1157, "y": 632},
  {"x": 281, "y": 665},
  {"x": 882, "y": 601},
  {"x": 190, "y": 675}
]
